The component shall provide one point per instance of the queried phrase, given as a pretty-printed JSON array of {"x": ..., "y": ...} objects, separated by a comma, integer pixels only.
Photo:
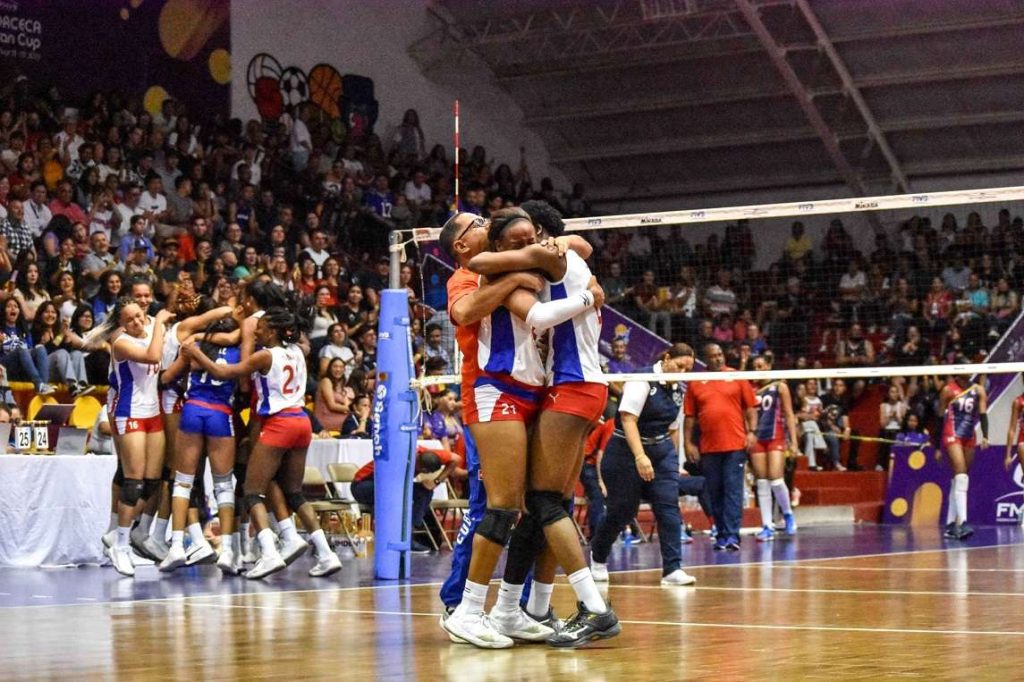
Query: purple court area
[{"x": 94, "y": 584}]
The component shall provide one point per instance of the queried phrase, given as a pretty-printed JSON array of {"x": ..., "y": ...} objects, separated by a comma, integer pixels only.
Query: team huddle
[{"x": 175, "y": 390}]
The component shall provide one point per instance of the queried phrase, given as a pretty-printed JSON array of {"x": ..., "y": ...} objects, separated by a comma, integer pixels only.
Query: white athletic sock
[
  {"x": 195, "y": 532},
  {"x": 583, "y": 584},
  {"x": 473, "y": 597},
  {"x": 236, "y": 543},
  {"x": 781, "y": 493},
  {"x": 951, "y": 503},
  {"x": 508, "y": 597},
  {"x": 286, "y": 529},
  {"x": 113, "y": 522},
  {"x": 540, "y": 599},
  {"x": 267, "y": 539},
  {"x": 122, "y": 535},
  {"x": 177, "y": 538},
  {"x": 764, "y": 501},
  {"x": 319, "y": 541},
  {"x": 160, "y": 529},
  {"x": 961, "y": 483},
  {"x": 145, "y": 523},
  {"x": 244, "y": 530}
]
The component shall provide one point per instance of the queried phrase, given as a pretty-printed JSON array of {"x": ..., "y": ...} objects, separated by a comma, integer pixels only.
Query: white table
[
  {"x": 53, "y": 509},
  {"x": 356, "y": 451}
]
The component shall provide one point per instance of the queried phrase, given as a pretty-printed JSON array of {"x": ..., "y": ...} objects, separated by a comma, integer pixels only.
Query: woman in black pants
[{"x": 642, "y": 462}]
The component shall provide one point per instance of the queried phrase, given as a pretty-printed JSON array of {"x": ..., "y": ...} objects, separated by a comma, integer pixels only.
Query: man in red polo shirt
[{"x": 725, "y": 414}]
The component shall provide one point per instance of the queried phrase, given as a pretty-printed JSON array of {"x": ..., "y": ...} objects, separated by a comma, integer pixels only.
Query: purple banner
[
  {"x": 1009, "y": 349},
  {"x": 643, "y": 347},
  {"x": 919, "y": 488},
  {"x": 149, "y": 50}
]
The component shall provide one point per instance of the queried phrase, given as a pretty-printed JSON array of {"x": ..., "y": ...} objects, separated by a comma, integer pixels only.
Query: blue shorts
[{"x": 206, "y": 419}]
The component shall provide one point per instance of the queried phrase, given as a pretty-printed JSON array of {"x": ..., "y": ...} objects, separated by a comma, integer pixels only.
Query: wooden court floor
[{"x": 937, "y": 614}]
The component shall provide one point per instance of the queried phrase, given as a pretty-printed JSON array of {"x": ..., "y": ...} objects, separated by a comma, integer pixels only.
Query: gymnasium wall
[{"x": 371, "y": 39}]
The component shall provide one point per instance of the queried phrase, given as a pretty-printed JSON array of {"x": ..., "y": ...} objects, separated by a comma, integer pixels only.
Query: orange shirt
[
  {"x": 460, "y": 284},
  {"x": 720, "y": 407},
  {"x": 598, "y": 440}
]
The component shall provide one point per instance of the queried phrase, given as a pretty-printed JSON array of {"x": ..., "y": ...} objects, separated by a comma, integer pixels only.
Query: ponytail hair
[
  {"x": 285, "y": 323},
  {"x": 101, "y": 333}
]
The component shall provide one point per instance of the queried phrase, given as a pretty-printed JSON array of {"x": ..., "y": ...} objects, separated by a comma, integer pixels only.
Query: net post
[
  {"x": 395, "y": 256},
  {"x": 394, "y": 435}
]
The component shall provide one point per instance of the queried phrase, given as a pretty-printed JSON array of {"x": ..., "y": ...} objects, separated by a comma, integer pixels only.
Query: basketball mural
[{"x": 345, "y": 102}]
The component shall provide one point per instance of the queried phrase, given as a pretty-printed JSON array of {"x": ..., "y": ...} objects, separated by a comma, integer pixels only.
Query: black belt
[{"x": 644, "y": 440}]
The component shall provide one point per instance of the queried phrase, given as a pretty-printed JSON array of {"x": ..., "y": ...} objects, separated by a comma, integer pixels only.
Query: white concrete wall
[{"x": 372, "y": 39}]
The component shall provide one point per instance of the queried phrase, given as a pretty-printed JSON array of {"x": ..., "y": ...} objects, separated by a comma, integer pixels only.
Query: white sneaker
[
  {"x": 678, "y": 577},
  {"x": 599, "y": 571},
  {"x": 137, "y": 540},
  {"x": 47, "y": 389},
  {"x": 228, "y": 562},
  {"x": 122, "y": 560},
  {"x": 174, "y": 560},
  {"x": 517, "y": 625},
  {"x": 156, "y": 547},
  {"x": 108, "y": 539},
  {"x": 200, "y": 553},
  {"x": 290, "y": 551},
  {"x": 444, "y": 616},
  {"x": 476, "y": 629},
  {"x": 251, "y": 551},
  {"x": 267, "y": 565},
  {"x": 325, "y": 566}
]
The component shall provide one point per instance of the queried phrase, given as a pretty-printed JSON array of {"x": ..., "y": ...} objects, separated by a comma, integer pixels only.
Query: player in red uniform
[{"x": 964, "y": 405}]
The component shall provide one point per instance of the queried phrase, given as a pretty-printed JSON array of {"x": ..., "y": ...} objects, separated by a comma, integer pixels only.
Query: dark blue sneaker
[
  {"x": 732, "y": 543},
  {"x": 586, "y": 627},
  {"x": 719, "y": 545},
  {"x": 951, "y": 531},
  {"x": 964, "y": 532},
  {"x": 790, "y": 524}
]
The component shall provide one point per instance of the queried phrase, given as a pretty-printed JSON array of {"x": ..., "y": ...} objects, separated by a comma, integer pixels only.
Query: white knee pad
[
  {"x": 224, "y": 490},
  {"x": 961, "y": 482},
  {"x": 764, "y": 487},
  {"x": 777, "y": 482},
  {"x": 183, "y": 485}
]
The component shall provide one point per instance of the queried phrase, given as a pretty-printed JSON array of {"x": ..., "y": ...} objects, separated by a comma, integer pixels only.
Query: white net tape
[{"x": 788, "y": 374}]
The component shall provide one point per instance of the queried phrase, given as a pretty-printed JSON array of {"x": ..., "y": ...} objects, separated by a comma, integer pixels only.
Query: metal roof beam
[{"x": 898, "y": 176}]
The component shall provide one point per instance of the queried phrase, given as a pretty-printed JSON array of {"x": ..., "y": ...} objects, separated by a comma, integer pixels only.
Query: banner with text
[
  {"x": 150, "y": 49},
  {"x": 919, "y": 488}
]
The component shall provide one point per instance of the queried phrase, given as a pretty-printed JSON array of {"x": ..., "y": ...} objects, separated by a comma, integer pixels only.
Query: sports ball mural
[{"x": 345, "y": 102}]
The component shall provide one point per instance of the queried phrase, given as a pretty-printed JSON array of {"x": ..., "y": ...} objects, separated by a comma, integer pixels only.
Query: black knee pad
[
  {"x": 119, "y": 474},
  {"x": 497, "y": 525},
  {"x": 150, "y": 487},
  {"x": 167, "y": 475},
  {"x": 295, "y": 500},
  {"x": 568, "y": 504},
  {"x": 131, "y": 491},
  {"x": 250, "y": 500},
  {"x": 546, "y": 506}
]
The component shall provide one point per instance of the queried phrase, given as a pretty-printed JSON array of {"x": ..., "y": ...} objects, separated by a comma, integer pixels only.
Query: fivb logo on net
[{"x": 1010, "y": 507}]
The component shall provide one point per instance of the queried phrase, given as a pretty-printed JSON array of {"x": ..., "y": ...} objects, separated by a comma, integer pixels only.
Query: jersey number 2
[{"x": 289, "y": 382}]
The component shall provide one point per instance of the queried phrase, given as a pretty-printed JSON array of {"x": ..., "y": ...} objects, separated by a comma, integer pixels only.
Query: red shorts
[
  {"x": 492, "y": 399},
  {"x": 580, "y": 398},
  {"x": 949, "y": 437},
  {"x": 287, "y": 430},
  {"x": 1020, "y": 436},
  {"x": 766, "y": 446},
  {"x": 138, "y": 425}
]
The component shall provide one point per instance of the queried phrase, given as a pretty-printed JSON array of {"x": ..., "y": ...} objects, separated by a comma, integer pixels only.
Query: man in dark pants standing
[{"x": 726, "y": 414}]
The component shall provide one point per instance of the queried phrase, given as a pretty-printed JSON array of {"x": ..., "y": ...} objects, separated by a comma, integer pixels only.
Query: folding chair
[
  {"x": 344, "y": 472},
  {"x": 319, "y": 495},
  {"x": 440, "y": 509}
]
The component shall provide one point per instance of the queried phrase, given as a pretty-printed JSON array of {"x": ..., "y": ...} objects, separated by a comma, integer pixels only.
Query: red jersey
[
  {"x": 460, "y": 284},
  {"x": 598, "y": 441},
  {"x": 366, "y": 471},
  {"x": 720, "y": 408}
]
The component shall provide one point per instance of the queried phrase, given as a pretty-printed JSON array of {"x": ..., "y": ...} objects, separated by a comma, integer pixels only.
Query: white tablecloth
[
  {"x": 53, "y": 509},
  {"x": 355, "y": 451}
]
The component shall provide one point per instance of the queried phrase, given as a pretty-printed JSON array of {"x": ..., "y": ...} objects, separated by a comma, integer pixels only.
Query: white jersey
[
  {"x": 507, "y": 346},
  {"x": 133, "y": 385},
  {"x": 171, "y": 347},
  {"x": 573, "y": 356},
  {"x": 284, "y": 385}
]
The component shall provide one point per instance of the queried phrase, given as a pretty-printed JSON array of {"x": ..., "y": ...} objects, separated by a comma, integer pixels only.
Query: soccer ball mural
[{"x": 345, "y": 103}]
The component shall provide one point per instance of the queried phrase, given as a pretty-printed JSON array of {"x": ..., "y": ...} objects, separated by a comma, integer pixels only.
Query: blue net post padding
[{"x": 395, "y": 427}]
